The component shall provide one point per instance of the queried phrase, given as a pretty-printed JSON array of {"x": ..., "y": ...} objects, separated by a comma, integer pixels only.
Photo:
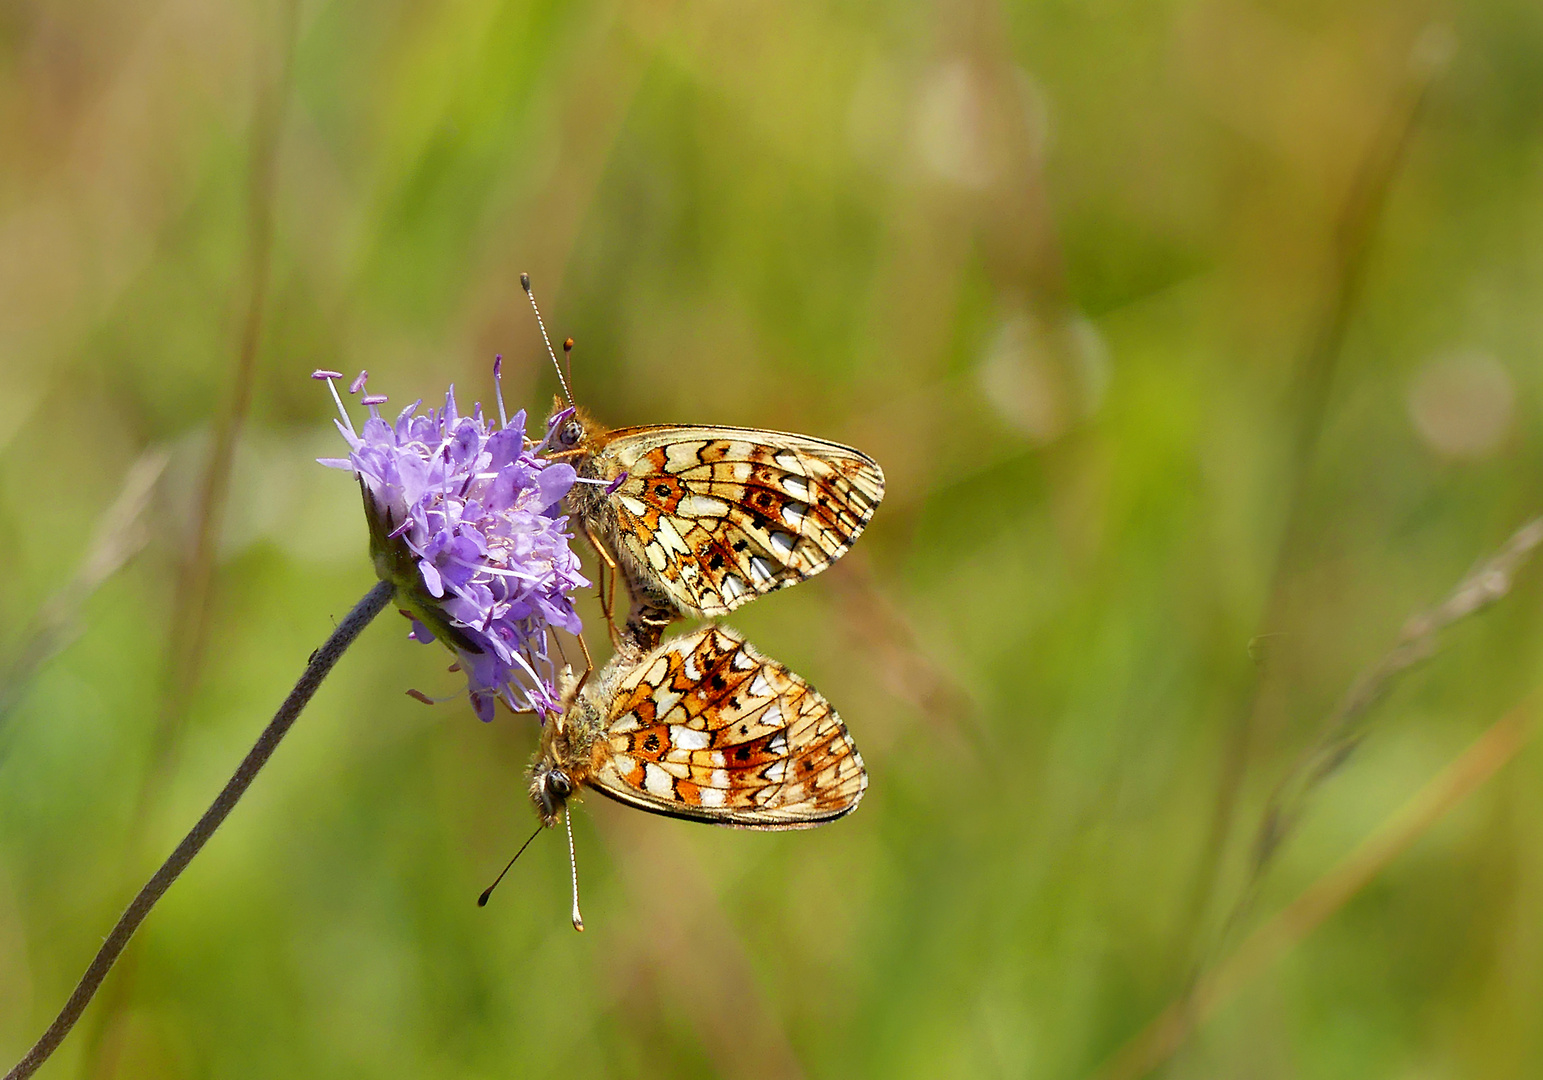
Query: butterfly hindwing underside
[
  {"x": 705, "y": 727},
  {"x": 708, "y": 518}
]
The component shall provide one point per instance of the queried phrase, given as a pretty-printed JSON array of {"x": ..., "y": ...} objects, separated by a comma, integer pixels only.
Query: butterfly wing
[
  {"x": 719, "y": 515},
  {"x": 704, "y": 727}
]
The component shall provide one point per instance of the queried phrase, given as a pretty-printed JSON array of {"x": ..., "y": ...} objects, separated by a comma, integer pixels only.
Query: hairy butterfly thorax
[{"x": 582, "y": 441}]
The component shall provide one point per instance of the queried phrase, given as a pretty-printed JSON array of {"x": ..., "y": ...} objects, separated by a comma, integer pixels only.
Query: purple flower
[{"x": 465, "y": 519}]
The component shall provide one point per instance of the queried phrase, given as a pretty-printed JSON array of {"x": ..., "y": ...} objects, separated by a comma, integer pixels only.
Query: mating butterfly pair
[{"x": 699, "y": 521}]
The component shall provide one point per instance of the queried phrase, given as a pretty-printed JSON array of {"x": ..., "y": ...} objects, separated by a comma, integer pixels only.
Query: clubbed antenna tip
[
  {"x": 561, "y": 378},
  {"x": 482, "y": 901}
]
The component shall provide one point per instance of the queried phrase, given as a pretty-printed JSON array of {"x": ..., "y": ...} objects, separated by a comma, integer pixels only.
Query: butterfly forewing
[
  {"x": 719, "y": 516},
  {"x": 705, "y": 727}
]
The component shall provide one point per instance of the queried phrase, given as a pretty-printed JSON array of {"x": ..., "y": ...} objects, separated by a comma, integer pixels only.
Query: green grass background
[{"x": 1068, "y": 270}]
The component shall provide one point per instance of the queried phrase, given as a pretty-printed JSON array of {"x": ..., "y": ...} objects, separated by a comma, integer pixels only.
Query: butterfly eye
[
  {"x": 570, "y": 435},
  {"x": 549, "y": 789}
]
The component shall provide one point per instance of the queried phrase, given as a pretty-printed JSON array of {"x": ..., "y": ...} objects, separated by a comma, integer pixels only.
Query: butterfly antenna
[
  {"x": 568, "y": 360},
  {"x": 525, "y": 284},
  {"x": 573, "y": 865},
  {"x": 482, "y": 901}
]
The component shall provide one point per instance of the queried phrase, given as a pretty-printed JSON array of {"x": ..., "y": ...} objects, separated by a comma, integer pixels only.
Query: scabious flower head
[{"x": 465, "y": 520}]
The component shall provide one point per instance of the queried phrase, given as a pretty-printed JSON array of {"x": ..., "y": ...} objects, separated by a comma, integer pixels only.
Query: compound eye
[
  {"x": 560, "y": 785},
  {"x": 571, "y": 433}
]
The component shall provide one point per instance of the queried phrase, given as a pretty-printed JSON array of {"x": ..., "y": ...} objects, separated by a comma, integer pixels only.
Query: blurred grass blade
[
  {"x": 1362, "y": 208},
  {"x": 194, "y": 590},
  {"x": 120, "y": 534},
  {"x": 1158, "y": 1041}
]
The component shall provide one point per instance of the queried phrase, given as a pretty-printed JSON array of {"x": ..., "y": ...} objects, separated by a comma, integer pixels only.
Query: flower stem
[{"x": 322, "y": 661}]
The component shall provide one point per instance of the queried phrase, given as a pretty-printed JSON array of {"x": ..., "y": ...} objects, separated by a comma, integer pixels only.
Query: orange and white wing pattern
[
  {"x": 722, "y": 515},
  {"x": 705, "y": 727}
]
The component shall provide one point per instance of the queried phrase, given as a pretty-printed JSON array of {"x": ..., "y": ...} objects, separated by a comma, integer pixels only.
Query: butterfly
[
  {"x": 701, "y": 727},
  {"x": 699, "y": 520}
]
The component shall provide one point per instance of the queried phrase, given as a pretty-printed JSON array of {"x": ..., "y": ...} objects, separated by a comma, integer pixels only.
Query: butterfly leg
[
  {"x": 607, "y": 594},
  {"x": 610, "y": 603},
  {"x": 589, "y": 665}
]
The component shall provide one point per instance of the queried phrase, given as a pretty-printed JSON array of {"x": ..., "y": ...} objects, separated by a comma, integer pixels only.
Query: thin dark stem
[{"x": 322, "y": 661}]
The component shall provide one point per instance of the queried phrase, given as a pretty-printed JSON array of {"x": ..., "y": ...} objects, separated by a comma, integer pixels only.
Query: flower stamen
[
  {"x": 331, "y": 377},
  {"x": 498, "y": 389}
]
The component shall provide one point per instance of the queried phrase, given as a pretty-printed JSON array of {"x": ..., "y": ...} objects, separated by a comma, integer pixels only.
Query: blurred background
[{"x": 1201, "y": 344}]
